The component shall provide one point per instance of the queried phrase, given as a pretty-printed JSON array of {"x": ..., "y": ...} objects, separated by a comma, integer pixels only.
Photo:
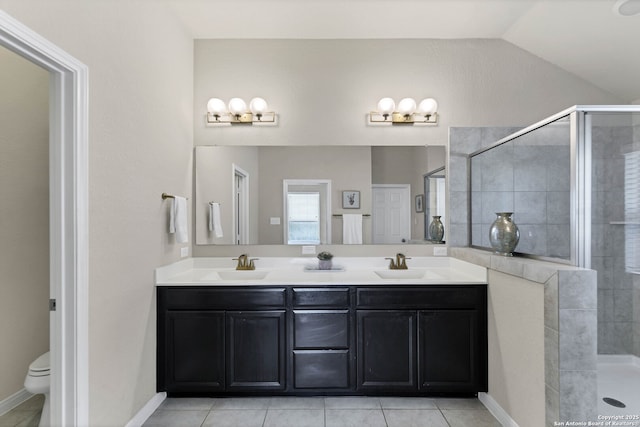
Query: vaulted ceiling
[{"x": 584, "y": 37}]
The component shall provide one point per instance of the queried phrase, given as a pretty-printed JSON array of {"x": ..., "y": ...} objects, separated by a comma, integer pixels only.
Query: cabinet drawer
[
  {"x": 321, "y": 297},
  {"x": 321, "y": 369},
  {"x": 321, "y": 329},
  {"x": 410, "y": 298},
  {"x": 221, "y": 298}
]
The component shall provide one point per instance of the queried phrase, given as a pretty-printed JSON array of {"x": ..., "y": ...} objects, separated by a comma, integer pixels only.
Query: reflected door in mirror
[{"x": 391, "y": 214}]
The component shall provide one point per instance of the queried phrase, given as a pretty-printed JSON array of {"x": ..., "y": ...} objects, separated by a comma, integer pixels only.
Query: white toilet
[{"x": 37, "y": 382}]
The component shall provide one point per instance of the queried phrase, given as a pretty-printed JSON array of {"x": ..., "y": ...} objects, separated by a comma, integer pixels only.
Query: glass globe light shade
[
  {"x": 428, "y": 106},
  {"x": 237, "y": 106},
  {"x": 216, "y": 106},
  {"x": 258, "y": 106},
  {"x": 386, "y": 106},
  {"x": 407, "y": 106}
]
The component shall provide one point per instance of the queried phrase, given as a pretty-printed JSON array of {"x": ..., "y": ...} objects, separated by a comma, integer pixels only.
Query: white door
[{"x": 391, "y": 216}]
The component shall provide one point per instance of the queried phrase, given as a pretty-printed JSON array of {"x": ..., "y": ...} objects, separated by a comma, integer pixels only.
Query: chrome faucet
[
  {"x": 244, "y": 263},
  {"x": 400, "y": 262}
]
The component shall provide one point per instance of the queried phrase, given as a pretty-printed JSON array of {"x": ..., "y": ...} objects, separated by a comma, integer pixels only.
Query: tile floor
[
  {"x": 27, "y": 414},
  {"x": 321, "y": 412}
]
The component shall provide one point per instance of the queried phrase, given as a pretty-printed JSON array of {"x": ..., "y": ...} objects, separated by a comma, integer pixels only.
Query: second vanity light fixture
[
  {"x": 408, "y": 112},
  {"x": 236, "y": 112}
]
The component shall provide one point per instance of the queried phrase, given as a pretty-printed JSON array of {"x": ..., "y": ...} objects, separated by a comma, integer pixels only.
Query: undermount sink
[
  {"x": 242, "y": 274},
  {"x": 410, "y": 274}
]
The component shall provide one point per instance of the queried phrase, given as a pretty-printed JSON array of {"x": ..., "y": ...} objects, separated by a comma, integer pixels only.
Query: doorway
[
  {"x": 391, "y": 217},
  {"x": 240, "y": 206},
  {"x": 68, "y": 215},
  {"x": 24, "y": 222}
]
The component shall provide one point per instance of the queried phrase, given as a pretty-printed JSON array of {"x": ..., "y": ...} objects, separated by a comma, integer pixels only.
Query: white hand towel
[
  {"x": 352, "y": 229},
  {"x": 215, "y": 223},
  {"x": 178, "y": 219}
]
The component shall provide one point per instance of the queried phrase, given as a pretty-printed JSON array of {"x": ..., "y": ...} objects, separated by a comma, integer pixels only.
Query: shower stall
[{"x": 572, "y": 182}]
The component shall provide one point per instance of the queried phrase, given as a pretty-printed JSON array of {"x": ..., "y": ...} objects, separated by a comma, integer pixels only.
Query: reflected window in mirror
[
  {"x": 307, "y": 211},
  {"x": 303, "y": 218}
]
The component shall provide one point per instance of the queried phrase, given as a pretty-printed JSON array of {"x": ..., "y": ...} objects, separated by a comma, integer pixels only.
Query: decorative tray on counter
[{"x": 314, "y": 268}]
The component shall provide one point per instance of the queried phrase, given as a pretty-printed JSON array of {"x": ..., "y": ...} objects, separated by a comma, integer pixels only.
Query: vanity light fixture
[
  {"x": 236, "y": 112},
  {"x": 407, "y": 112}
]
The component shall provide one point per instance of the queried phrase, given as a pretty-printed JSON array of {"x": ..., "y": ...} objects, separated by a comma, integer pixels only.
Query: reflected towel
[
  {"x": 178, "y": 219},
  {"x": 215, "y": 224},
  {"x": 352, "y": 229}
]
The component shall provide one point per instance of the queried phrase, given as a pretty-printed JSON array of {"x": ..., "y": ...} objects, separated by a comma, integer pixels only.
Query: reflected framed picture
[
  {"x": 350, "y": 199},
  {"x": 420, "y": 203}
]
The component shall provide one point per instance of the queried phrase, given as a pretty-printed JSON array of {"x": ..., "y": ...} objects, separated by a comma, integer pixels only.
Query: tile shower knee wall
[{"x": 616, "y": 324}]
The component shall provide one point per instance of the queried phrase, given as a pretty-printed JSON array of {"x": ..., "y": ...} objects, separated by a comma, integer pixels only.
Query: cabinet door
[
  {"x": 386, "y": 350},
  {"x": 255, "y": 350},
  {"x": 449, "y": 351},
  {"x": 193, "y": 351}
]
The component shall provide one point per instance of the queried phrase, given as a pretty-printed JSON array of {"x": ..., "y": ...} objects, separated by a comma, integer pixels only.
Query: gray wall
[
  {"x": 349, "y": 168},
  {"x": 214, "y": 183},
  {"x": 24, "y": 218},
  {"x": 140, "y": 63},
  {"x": 323, "y": 89}
]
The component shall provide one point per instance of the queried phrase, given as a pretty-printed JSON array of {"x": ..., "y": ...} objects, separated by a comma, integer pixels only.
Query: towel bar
[
  {"x": 365, "y": 215},
  {"x": 169, "y": 196}
]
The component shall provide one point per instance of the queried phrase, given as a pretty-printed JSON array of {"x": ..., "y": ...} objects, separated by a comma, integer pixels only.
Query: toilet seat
[
  {"x": 41, "y": 366},
  {"x": 38, "y": 381}
]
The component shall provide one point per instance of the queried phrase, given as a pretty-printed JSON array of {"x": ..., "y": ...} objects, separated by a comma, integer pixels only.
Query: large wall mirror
[{"x": 277, "y": 195}]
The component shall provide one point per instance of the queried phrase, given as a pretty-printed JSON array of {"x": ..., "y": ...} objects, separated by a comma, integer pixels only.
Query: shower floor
[{"x": 619, "y": 379}]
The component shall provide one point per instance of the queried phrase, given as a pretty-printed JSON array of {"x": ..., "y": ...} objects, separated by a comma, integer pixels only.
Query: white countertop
[{"x": 274, "y": 271}]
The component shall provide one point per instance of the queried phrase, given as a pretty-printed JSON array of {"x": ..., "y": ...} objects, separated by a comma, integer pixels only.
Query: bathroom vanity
[{"x": 329, "y": 333}]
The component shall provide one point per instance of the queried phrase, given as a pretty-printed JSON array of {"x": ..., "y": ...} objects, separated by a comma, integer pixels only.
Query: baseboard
[
  {"x": 145, "y": 412},
  {"x": 14, "y": 400},
  {"x": 496, "y": 410}
]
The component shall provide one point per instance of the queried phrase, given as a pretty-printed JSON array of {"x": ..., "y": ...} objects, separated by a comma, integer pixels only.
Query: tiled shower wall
[
  {"x": 464, "y": 141},
  {"x": 530, "y": 177},
  {"x": 636, "y": 277},
  {"x": 617, "y": 325}
]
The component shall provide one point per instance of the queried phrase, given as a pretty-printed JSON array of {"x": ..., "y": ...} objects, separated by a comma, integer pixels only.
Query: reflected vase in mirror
[
  {"x": 436, "y": 229},
  {"x": 504, "y": 234}
]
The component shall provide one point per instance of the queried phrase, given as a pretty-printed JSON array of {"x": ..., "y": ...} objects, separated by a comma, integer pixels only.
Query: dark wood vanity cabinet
[
  {"x": 192, "y": 354},
  {"x": 329, "y": 340},
  {"x": 451, "y": 352},
  {"x": 322, "y": 339},
  {"x": 430, "y": 339},
  {"x": 255, "y": 350},
  {"x": 387, "y": 350},
  {"x": 218, "y": 339}
]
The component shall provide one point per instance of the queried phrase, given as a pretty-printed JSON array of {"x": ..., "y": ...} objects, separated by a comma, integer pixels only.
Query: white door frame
[
  {"x": 240, "y": 218},
  {"x": 68, "y": 223}
]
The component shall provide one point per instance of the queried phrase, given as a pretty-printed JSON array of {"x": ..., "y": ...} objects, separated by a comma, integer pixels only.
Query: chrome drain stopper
[{"x": 614, "y": 402}]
